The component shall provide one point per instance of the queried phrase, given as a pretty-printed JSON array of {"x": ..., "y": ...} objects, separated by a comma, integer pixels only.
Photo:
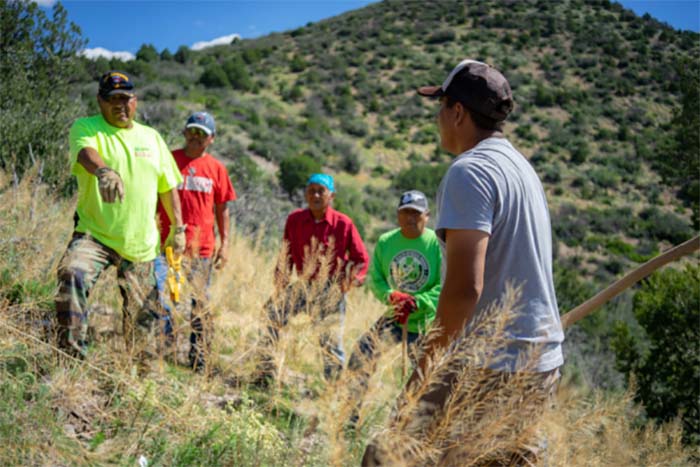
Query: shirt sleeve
[
  {"x": 377, "y": 280},
  {"x": 170, "y": 176},
  {"x": 428, "y": 299},
  {"x": 79, "y": 137},
  {"x": 287, "y": 238},
  {"x": 358, "y": 254},
  {"x": 468, "y": 200},
  {"x": 224, "y": 190}
]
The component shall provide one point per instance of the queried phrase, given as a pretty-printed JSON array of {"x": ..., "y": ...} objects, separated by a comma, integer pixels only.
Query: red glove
[
  {"x": 401, "y": 314},
  {"x": 397, "y": 298},
  {"x": 404, "y": 305}
]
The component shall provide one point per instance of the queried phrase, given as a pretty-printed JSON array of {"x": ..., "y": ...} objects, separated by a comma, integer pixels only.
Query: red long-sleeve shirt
[{"x": 334, "y": 227}]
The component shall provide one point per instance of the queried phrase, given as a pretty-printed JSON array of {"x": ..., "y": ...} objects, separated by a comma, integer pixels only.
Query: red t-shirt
[
  {"x": 205, "y": 185},
  {"x": 301, "y": 227}
]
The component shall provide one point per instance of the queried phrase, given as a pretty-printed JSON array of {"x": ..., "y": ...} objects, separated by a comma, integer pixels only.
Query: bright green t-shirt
[
  {"x": 144, "y": 162},
  {"x": 410, "y": 266}
]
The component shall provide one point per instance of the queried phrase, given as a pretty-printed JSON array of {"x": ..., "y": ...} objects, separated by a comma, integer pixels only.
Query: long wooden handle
[{"x": 630, "y": 279}]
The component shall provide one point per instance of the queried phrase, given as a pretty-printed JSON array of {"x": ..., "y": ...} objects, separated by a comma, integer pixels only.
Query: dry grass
[{"x": 111, "y": 409}]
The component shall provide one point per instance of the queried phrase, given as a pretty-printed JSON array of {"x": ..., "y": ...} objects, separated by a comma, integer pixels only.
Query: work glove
[
  {"x": 397, "y": 298},
  {"x": 404, "y": 304},
  {"x": 402, "y": 312},
  {"x": 177, "y": 239},
  {"x": 110, "y": 185}
]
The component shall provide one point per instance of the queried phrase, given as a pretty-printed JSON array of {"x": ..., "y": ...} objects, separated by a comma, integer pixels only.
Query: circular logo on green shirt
[{"x": 409, "y": 271}]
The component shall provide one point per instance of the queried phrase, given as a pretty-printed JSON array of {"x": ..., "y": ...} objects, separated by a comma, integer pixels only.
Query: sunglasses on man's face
[{"x": 197, "y": 132}]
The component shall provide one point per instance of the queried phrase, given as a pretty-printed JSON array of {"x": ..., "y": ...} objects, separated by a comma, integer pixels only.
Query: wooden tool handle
[{"x": 627, "y": 281}]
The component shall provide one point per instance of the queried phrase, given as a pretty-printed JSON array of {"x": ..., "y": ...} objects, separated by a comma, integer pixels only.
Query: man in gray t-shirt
[
  {"x": 493, "y": 224},
  {"x": 492, "y": 189}
]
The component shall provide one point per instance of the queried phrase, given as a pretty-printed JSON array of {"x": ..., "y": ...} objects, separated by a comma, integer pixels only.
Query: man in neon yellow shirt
[{"x": 123, "y": 168}]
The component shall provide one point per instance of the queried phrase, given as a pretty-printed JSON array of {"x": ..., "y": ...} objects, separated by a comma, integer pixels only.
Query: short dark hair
[{"x": 480, "y": 120}]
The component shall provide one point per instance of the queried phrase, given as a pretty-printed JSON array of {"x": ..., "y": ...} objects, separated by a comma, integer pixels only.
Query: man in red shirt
[
  {"x": 325, "y": 248},
  {"x": 203, "y": 196}
]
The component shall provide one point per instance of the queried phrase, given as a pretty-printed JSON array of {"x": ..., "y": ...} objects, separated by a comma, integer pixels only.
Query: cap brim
[
  {"x": 115, "y": 92},
  {"x": 430, "y": 91},
  {"x": 414, "y": 207},
  {"x": 201, "y": 127}
]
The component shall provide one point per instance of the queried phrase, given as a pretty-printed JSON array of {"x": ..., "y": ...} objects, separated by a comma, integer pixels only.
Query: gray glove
[{"x": 110, "y": 184}]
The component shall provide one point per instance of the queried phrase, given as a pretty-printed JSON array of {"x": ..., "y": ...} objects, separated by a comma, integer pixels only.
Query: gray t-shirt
[{"x": 493, "y": 188}]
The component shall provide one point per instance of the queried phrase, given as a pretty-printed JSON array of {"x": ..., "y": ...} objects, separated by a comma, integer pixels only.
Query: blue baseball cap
[
  {"x": 322, "y": 179},
  {"x": 203, "y": 121}
]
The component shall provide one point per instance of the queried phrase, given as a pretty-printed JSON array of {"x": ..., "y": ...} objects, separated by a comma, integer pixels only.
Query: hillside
[{"x": 596, "y": 88}]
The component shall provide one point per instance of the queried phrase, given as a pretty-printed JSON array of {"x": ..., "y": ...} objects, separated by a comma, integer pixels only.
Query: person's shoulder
[
  {"x": 146, "y": 130},
  {"x": 429, "y": 234},
  {"x": 389, "y": 236},
  {"x": 340, "y": 218},
  {"x": 213, "y": 161},
  {"x": 296, "y": 214},
  {"x": 87, "y": 122}
]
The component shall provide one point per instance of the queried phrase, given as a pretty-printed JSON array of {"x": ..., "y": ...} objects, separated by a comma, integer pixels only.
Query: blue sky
[{"x": 122, "y": 26}]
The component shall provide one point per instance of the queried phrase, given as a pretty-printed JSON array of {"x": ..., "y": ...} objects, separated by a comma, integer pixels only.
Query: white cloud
[
  {"x": 224, "y": 40},
  {"x": 102, "y": 52}
]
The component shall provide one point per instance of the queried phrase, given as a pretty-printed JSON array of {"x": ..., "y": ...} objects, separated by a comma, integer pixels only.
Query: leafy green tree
[
  {"x": 39, "y": 66},
  {"x": 423, "y": 177},
  {"x": 214, "y": 76},
  {"x": 237, "y": 74},
  {"x": 183, "y": 54},
  {"x": 681, "y": 164},
  {"x": 147, "y": 53},
  {"x": 294, "y": 171},
  {"x": 166, "y": 55},
  {"x": 666, "y": 358}
]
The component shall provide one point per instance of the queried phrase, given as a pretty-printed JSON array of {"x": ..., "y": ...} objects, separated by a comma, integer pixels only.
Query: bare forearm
[
  {"x": 171, "y": 203},
  {"x": 90, "y": 159},
  {"x": 222, "y": 222},
  {"x": 464, "y": 279}
]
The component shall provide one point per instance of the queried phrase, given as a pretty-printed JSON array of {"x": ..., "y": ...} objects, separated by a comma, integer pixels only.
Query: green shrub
[
  {"x": 666, "y": 358},
  {"x": 147, "y": 53},
  {"x": 294, "y": 171},
  {"x": 214, "y": 77},
  {"x": 39, "y": 64},
  {"x": 183, "y": 54},
  {"x": 423, "y": 177}
]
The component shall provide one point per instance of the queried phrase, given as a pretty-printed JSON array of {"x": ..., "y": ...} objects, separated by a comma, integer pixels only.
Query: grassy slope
[{"x": 114, "y": 408}]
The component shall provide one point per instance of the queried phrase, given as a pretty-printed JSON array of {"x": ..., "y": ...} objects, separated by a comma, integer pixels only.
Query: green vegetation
[
  {"x": 666, "y": 359},
  {"x": 38, "y": 64}
]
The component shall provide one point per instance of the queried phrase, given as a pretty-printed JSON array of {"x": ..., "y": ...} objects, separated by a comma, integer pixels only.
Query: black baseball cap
[
  {"x": 413, "y": 199},
  {"x": 115, "y": 82},
  {"x": 479, "y": 86}
]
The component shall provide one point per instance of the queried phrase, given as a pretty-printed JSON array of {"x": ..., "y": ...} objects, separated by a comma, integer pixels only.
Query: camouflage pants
[{"x": 82, "y": 264}]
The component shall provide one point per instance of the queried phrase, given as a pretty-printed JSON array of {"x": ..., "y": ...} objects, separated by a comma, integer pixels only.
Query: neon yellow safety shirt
[{"x": 143, "y": 161}]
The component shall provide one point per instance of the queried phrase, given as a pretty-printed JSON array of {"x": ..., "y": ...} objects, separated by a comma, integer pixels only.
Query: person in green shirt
[
  {"x": 122, "y": 168},
  {"x": 405, "y": 275}
]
